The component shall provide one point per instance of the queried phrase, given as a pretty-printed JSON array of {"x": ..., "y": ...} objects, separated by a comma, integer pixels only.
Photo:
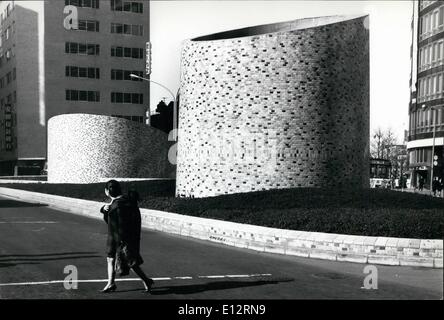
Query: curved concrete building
[
  {"x": 275, "y": 106},
  {"x": 85, "y": 148}
]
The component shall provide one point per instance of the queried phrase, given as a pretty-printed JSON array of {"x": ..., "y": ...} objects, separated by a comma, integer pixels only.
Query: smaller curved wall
[{"x": 85, "y": 148}]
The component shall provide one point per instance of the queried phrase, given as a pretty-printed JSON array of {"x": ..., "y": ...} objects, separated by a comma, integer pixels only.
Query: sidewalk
[{"x": 411, "y": 190}]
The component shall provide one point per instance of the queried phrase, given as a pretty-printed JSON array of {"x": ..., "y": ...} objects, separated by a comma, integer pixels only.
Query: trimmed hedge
[{"x": 369, "y": 212}]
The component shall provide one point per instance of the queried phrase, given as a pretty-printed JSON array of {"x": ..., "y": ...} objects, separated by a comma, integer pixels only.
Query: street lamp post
[
  {"x": 174, "y": 101},
  {"x": 433, "y": 149},
  {"x": 434, "y": 118}
]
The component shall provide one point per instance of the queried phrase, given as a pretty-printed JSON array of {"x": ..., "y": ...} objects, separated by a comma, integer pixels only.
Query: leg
[
  {"x": 147, "y": 282},
  {"x": 111, "y": 271}
]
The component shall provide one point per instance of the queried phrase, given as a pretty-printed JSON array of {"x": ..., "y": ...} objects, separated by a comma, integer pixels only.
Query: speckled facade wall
[
  {"x": 84, "y": 148},
  {"x": 275, "y": 106}
]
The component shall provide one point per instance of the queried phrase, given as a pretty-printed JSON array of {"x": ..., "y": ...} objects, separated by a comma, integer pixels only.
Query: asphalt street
[{"x": 37, "y": 243}]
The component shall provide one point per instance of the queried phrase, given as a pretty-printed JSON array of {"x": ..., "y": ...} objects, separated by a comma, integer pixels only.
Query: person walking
[
  {"x": 421, "y": 183},
  {"x": 435, "y": 186},
  {"x": 440, "y": 188},
  {"x": 124, "y": 227}
]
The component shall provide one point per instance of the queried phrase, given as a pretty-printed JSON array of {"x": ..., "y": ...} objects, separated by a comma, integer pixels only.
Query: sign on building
[
  {"x": 148, "y": 58},
  {"x": 8, "y": 127}
]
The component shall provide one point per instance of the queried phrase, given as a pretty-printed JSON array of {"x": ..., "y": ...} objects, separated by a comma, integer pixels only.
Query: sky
[{"x": 172, "y": 22}]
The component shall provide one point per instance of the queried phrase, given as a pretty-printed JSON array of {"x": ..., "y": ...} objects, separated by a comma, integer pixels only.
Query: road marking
[
  {"x": 134, "y": 279},
  {"x": 236, "y": 276},
  {"x": 26, "y": 222}
]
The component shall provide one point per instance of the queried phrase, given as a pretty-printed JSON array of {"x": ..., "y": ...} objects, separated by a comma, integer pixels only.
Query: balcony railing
[
  {"x": 425, "y": 4},
  {"x": 428, "y": 34},
  {"x": 431, "y": 65},
  {"x": 430, "y": 97}
]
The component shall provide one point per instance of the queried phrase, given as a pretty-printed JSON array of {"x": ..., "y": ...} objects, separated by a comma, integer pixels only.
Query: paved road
[{"x": 36, "y": 243}]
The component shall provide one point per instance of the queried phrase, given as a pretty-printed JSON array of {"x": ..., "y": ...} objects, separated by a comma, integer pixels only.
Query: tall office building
[
  {"x": 51, "y": 65},
  {"x": 426, "y": 129}
]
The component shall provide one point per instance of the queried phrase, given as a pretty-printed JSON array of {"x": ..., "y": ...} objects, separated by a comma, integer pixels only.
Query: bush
[{"x": 369, "y": 212}]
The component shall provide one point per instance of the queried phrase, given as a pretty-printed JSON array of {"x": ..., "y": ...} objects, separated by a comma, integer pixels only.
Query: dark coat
[
  {"x": 435, "y": 185},
  {"x": 124, "y": 225}
]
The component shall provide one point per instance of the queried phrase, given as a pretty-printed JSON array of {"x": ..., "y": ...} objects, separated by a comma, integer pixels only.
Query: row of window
[
  {"x": 125, "y": 97},
  {"x": 117, "y": 74},
  {"x": 431, "y": 23},
  {"x": 116, "y": 5},
  {"x": 125, "y": 52},
  {"x": 82, "y": 95},
  {"x": 432, "y": 55},
  {"x": 128, "y": 6},
  {"x": 421, "y": 155},
  {"x": 89, "y": 25},
  {"x": 82, "y": 72},
  {"x": 10, "y": 120},
  {"x": 132, "y": 118},
  {"x": 431, "y": 87},
  {"x": 94, "y": 96},
  {"x": 7, "y": 79},
  {"x": 83, "y": 3},
  {"x": 94, "y": 49},
  {"x": 82, "y": 48},
  {"x": 94, "y": 26},
  {"x": 423, "y": 118},
  {"x": 94, "y": 73},
  {"x": 132, "y": 29}
]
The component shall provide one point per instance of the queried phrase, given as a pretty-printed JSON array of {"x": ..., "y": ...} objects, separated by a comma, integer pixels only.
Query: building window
[
  {"x": 120, "y": 97},
  {"x": 8, "y": 78},
  {"x": 89, "y": 25},
  {"x": 83, "y": 3},
  {"x": 132, "y": 118},
  {"x": 431, "y": 88},
  {"x": 125, "y": 52},
  {"x": 82, "y": 95},
  {"x": 431, "y": 23},
  {"x": 130, "y": 29},
  {"x": 128, "y": 6},
  {"x": 82, "y": 72},
  {"x": 125, "y": 75},
  {"x": 14, "y": 74},
  {"x": 82, "y": 48}
]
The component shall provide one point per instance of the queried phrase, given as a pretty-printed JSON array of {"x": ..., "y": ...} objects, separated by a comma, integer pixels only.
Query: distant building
[
  {"x": 426, "y": 129},
  {"x": 380, "y": 173},
  {"x": 47, "y": 69}
]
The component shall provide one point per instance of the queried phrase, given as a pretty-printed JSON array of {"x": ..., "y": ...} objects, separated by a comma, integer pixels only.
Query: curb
[{"x": 328, "y": 246}]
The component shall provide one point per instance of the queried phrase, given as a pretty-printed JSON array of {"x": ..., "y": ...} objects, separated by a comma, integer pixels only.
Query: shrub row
[{"x": 369, "y": 212}]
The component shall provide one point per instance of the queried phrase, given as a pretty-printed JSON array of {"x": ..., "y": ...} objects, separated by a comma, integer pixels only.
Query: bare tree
[
  {"x": 389, "y": 141},
  {"x": 382, "y": 142},
  {"x": 376, "y": 143}
]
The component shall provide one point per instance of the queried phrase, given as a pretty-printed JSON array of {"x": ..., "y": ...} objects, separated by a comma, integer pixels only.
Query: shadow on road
[
  {"x": 14, "y": 260},
  {"x": 210, "y": 286},
  {"x": 19, "y": 204}
]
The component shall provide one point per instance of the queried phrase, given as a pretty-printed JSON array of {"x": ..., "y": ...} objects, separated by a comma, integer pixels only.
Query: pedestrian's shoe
[
  {"x": 109, "y": 289},
  {"x": 149, "y": 285}
]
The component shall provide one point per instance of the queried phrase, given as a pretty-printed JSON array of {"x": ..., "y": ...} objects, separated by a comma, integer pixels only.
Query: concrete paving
[{"x": 37, "y": 243}]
